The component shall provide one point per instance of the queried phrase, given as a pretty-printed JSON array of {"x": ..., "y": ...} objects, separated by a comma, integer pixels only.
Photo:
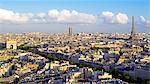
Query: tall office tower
[
  {"x": 70, "y": 31},
  {"x": 133, "y": 36}
]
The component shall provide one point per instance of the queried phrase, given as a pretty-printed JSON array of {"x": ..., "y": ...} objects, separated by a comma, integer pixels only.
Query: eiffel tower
[{"x": 133, "y": 36}]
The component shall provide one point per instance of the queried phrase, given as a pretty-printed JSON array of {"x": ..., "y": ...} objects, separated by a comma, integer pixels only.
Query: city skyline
[
  {"x": 74, "y": 41},
  {"x": 84, "y": 16}
]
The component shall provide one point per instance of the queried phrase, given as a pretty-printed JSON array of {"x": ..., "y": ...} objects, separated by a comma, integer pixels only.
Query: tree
[
  {"x": 123, "y": 76},
  {"x": 81, "y": 65},
  {"x": 101, "y": 68},
  {"x": 50, "y": 57},
  {"x": 148, "y": 82}
]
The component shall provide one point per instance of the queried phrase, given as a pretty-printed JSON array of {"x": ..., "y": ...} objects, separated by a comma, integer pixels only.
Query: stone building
[{"x": 11, "y": 44}]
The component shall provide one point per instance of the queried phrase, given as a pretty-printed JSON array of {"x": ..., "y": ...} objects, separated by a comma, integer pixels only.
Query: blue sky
[
  {"x": 131, "y": 7},
  {"x": 95, "y": 7}
]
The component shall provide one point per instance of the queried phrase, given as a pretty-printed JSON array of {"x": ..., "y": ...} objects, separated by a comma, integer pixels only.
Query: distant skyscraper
[{"x": 70, "y": 31}]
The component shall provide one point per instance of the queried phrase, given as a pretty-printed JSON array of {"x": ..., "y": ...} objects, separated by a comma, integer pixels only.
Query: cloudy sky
[{"x": 82, "y": 15}]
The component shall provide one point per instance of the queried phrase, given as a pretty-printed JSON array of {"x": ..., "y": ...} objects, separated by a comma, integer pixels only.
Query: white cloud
[
  {"x": 66, "y": 16},
  {"x": 144, "y": 21},
  {"x": 121, "y": 18},
  {"x": 53, "y": 13},
  {"x": 41, "y": 15},
  {"x": 10, "y": 16},
  {"x": 54, "y": 16},
  {"x": 109, "y": 17}
]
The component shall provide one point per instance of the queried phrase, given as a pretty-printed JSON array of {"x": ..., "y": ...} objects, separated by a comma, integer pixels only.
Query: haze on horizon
[{"x": 82, "y": 15}]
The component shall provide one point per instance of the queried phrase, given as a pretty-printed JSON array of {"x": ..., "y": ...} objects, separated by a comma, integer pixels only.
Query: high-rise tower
[
  {"x": 133, "y": 36},
  {"x": 70, "y": 31}
]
